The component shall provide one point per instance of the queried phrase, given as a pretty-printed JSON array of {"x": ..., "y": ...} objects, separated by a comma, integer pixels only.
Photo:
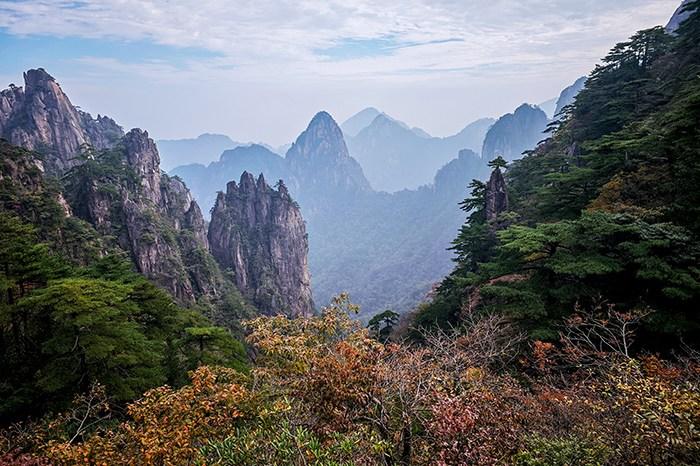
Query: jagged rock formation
[
  {"x": 386, "y": 250},
  {"x": 568, "y": 95},
  {"x": 152, "y": 216},
  {"x": 259, "y": 234},
  {"x": 122, "y": 192},
  {"x": 515, "y": 133},
  {"x": 41, "y": 117},
  {"x": 496, "y": 196}
]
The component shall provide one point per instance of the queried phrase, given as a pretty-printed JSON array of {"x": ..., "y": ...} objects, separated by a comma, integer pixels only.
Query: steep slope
[
  {"x": 320, "y": 167},
  {"x": 203, "y": 149},
  {"x": 39, "y": 116},
  {"x": 118, "y": 189},
  {"x": 395, "y": 157},
  {"x": 259, "y": 234},
  {"x": 123, "y": 194},
  {"x": 204, "y": 181},
  {"x": 568, "y": 95},
  {"x": 680, "y": 15},
  {"x": 605, "y": 214},
  {"x": 515, "y": 133}
]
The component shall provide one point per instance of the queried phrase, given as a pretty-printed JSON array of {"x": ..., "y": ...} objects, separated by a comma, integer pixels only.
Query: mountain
[
  {"x": 602, "y": 218},
  {"x": 680, "y": 15},
  {"x": 359, "y": 121},
  {"x": 39, "y": 116},
  {"x": 549, "y": 107},
  {"x": 118, "y": 189},
  {"x": 320, "y": 167},
  {"x": 205, "y": 180},
  {"x": 515, "y": 133},
  {"x": 259, "y": 234},
  {"x": 386, "y": 250},
  {"x": 203, "y": 149},
  {"x": 395, "y": 157},
  {"x": 123, "y": 194},
  {"x": 568, "y": 95}
]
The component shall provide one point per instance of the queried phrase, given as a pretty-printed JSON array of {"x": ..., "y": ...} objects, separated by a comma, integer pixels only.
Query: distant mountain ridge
[
  {"x": 386, "y": 250},
  {"x": 395, "y": 157},
  {"x": 568, "y": 95},
  {"x": 204, "y": 149},
  {"x": 515, "y": 133}
]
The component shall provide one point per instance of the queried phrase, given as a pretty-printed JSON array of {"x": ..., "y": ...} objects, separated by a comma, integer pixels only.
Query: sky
[{"x": 258, "y": 70}]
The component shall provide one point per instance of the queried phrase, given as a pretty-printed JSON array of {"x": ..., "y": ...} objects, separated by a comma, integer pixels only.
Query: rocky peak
[
  {"x": 142, "y": 156},
  {"x": 322, "y": 139},
  {"x": 515, "y": 133},
  {"x": 320, "y": 157},
  {"x": 496, "y": 195},
  {"x": 258, "y": 233},
  {"x": 41, "y": 117}
]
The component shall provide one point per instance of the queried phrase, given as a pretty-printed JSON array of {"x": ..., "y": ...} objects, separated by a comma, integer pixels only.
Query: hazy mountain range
[{"x": 368, "y": 232}]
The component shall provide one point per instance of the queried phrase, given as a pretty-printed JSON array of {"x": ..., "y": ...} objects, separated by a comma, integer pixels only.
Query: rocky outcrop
[
  {"x": 41, "y": 117},
  {"x": 320, "y": 158},
  {"x": 258, "y": 233},
  {"x": 496, "y": 196},
  {"x": 569, "y": 94},
  {"x": 151, "y": 216},
  {"x": 515, "y": 133}
]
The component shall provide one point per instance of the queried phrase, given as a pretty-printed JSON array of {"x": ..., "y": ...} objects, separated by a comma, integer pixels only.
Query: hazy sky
[{"x": 259, "y": 70}]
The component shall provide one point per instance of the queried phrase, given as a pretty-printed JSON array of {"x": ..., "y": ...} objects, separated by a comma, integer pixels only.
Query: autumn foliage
[{"x": 323, "y": 392}]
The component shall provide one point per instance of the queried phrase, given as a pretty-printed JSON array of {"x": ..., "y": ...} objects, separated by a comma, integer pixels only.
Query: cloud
[
  {"x": 385, "y": 37},
  {"x": 434, "y": 63}
]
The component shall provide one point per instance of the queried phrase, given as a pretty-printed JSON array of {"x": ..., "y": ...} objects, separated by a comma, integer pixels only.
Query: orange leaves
[{"x": 166, "y": 426}]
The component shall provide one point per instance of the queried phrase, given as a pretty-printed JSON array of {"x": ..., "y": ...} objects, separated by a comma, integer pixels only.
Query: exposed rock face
[
  {"x": 678, "y": 17},
  {"x": 320, "y": 158},
  {"x": 259, "y": 234},
  {"x": 41, "y": 117},
  {"x": 568, "y": 95},
  {"x": 515, "y": 133},
  {"x": 155, "y": 220},
  {"x": 142, "y": 157},
  {"x": 496, "y": 195}
]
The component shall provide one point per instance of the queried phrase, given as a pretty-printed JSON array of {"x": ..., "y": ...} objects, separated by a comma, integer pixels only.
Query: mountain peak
[
  {"x": 359, "y": 121},
  {"x": 37, "y": 77},
  {"x": 323, "y": 118},
  {"x": 321, "y": 139}
]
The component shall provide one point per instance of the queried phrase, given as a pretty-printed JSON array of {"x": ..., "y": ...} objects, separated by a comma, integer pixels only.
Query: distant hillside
[
  {"x": 395, "y": 157},
  {"x": 386, "y": 250},
  {"x": 204, "y": 149},
  {"x": 515, "y": 133}
]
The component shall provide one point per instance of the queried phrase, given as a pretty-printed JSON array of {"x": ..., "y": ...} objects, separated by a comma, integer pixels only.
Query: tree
[
  {"x": 499, "y": 162},
  {"x": 382, "y": 324},
  {"x": 89, "y": 333}
]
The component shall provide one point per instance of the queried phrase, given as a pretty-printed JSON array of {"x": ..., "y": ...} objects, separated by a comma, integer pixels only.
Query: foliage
[
  {"x": 382, "y": 324},
  {"x": 607, "y": 207}
]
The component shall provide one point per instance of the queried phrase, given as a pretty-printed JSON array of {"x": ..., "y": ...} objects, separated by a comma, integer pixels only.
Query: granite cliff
[
  {"x": 258, "y": 233},
  {"x": 40, "y": 117},
  {"x": 113, "y": 182}
]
